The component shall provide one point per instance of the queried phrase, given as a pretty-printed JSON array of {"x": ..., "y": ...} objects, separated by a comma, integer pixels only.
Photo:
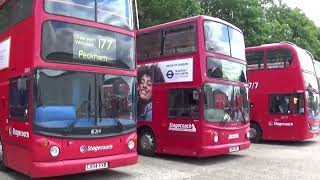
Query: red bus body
[
  {"x": 284, "y": 92},
  {"x": 49, "y": 119},
  {"x": 178, "y": 125}
]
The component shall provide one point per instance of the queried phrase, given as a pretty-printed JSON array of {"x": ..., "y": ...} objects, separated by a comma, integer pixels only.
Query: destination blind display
[
  {"x": 77, "y": 44},
  {"x": 93, "y": 47}
]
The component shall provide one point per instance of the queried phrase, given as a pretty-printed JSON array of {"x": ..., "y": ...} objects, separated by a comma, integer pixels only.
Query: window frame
[
  {"x": 184, "y": 117},
  {"x": 286, "y": 64},
  {"x": 134, "y": 64},
  {"x": 29, "y": 98},
  {"x": 229, "y": 40},
  {"x": 162, "y": 31},
  {"x": 12, "y": 17},
  {"x": 262, "y": 63},
  {"x": 221, "y": 78},
  {"x": 134, "y": 16},
  {"x": 270, "y": 96}
]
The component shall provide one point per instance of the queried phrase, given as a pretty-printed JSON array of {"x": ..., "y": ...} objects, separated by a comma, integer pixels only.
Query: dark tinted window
[
  {"x": 14, "y": 12},
  {"x": 255, "y": 60},
  {"x": 175, "y": 40},
  {"x": 183, "y": 103},
  {"x": 5, "y": 13},
  {"x": 71, "y": 43},
  {"x": 149, "y": 45},
  {"x": 217, "y": 68},
  {"x": 114, "y": 12},
  {"x": 19, "y": 98},
  {"x": 278, "y": 58},
  {"x": 180, "y": 39},
  {"x": 279, "y": 104},
  {"x": 298, "y": 102},
  {"x": 21, "y": 10}
]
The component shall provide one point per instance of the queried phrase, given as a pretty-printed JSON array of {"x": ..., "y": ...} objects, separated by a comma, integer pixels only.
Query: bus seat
[{"x": 55, "y": 113}]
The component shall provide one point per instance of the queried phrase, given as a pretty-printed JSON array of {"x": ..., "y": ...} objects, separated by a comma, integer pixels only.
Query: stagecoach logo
[
  {"x": 84, "y": 148},
  {"x": 18, "y": 133},
  {"x": 182, "y": 127},
  {"x": 281, "y": 124}
]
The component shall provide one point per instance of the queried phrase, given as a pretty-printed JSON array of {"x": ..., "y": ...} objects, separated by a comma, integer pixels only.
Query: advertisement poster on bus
[
  {"x": 177, "y": 70},
  {"x": 144, "y": 91},
  {"x": 4, "y": 53}
]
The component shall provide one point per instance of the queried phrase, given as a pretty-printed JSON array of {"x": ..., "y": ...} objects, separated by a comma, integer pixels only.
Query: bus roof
[
  {"x": 181, "y": 21},
  {"x": 274, "y": 45}
]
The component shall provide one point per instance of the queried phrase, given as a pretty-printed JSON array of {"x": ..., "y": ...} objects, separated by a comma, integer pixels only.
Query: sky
[{"x": 310, "y": 7}]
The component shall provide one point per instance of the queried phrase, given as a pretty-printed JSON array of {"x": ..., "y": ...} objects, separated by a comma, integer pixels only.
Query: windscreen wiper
[
  {"x": 72, "y": 125},
  {"x": 117, "y": 115}
]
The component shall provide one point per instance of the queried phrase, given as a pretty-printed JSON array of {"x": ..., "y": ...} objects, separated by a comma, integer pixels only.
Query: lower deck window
[{"x": 183, "y": 103}]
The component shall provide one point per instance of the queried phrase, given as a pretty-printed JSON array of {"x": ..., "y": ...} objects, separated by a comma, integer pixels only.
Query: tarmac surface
[{"x": 265, "y": 161}]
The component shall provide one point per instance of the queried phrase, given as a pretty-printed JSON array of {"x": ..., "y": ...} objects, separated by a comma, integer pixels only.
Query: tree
[
  {"x": 153, "y": 12},
  {"x": 293, "y": 25}
]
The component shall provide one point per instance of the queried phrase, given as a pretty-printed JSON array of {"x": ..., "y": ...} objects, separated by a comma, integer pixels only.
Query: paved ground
[{"x": 269, "y": 160}]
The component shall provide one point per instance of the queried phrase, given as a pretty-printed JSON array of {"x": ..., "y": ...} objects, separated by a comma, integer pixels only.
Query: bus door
[
  {"x": 281, "y": 121},
  {"x": 18, "y": 126},
  {"x": 182, "y": 130}
]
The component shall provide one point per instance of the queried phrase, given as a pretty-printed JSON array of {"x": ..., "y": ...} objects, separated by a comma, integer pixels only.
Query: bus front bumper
[
  {"x": 220, "y": 149},
  {"x": 65, "y": 167}
]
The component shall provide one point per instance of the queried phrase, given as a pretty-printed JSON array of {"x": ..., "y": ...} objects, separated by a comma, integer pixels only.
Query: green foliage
[
  {"x": 262, "y": 21},
  {"x": 153, "y": 12}
]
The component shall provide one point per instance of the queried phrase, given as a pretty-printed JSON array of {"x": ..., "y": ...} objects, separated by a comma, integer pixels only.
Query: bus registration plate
[
  {"x": 90, "y": 167},
  {"x": 234, "y": 149}
]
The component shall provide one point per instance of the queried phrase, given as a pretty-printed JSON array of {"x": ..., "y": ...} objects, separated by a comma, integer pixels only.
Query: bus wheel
[
  {"x": 255, "y": 133},
  {"x": 146, "y": 143},
  {"x": 3, "y": 166}
]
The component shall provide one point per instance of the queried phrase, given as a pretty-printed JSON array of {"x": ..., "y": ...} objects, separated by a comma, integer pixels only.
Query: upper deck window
[
  {"x": 179, "y": 39},
  {"x": 255, "y": 60},
  {"x": 306, "y": 61},
  {"x": 71, "y": 43},
  {"x": 149, "y": 45},
  {"x": 113, "y": 12},
  {"x": 223, "y": 69},
  {"x": 278, "y": 58},
  {"x": 222, "y": 39},
  {"x": 14, "y": 12},
  {"x": 167, "y": 42},
  {"x": 317, "y": 68}
]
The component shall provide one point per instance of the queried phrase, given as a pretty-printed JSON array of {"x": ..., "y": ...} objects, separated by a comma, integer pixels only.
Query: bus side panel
[{"x": 172, "y": 140}]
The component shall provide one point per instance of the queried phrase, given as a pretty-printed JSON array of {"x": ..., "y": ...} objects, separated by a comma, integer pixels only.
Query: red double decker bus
[
  {"x": 67, "y": 85},
  {"x": 192, "y": 98},
  {"x": 284, "y": 93}
]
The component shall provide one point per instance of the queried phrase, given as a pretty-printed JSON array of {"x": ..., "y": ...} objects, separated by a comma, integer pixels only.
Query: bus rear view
[
  {"x": 192, "y": 98},
  {"x": 284, "y": 93}
]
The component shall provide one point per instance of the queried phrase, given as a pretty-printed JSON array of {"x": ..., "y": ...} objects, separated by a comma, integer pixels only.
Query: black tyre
[
  {"x": 255, "y": 133},
  {"x": 3, "y": 166},
  {"x": 146, "y": 143}
]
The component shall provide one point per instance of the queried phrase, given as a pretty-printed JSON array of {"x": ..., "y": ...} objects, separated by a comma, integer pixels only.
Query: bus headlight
[
  {"x": 131, "y": 144},
  {"x": 216, "y": 138},
  {"x": 54, "y": 151},
  {"x": 248, "y": 134}
]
